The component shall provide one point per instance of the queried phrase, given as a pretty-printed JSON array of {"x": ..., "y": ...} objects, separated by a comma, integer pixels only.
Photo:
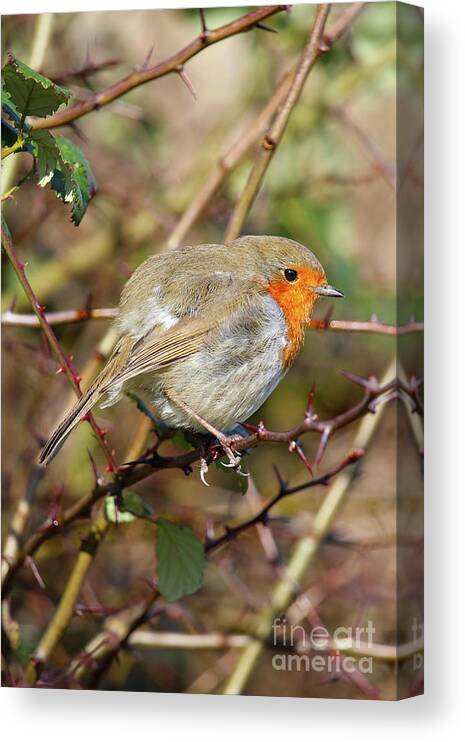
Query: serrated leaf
[
  {"x": 46, "y": 152},
  {"x": 180, "y": 560},
  {"x": 31, "y": 93},
  {"x": 131, "y": 507},
  {"x": 9, "y": 107},
  {"x": 73, "y": 180}
]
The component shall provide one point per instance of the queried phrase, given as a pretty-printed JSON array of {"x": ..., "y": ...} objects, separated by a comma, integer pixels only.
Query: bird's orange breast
[{"x": 296, "y": 302}]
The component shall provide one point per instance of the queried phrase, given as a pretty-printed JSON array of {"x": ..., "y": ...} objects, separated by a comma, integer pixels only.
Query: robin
[{"x": 207, "y": 332}]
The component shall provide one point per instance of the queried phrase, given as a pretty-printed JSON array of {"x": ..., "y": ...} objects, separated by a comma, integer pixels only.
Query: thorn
[
  {"x": 33, "y": 566},
  {"x": 323, "y": 443},
  {"x": 296, "y": 447},
  {"x": 309, "y": 413},
  {"x": 61, "y": 370},
  {"x": 323, "y": 47},
  {"x": 370, "y": 384},
  {"x": 145, "y": 63},
  {"x": 186, "y": 80},
  {"x": 265, "y": 28},
  {"x": 204, "y": 36},
  {"x": 281, "y": 481}
]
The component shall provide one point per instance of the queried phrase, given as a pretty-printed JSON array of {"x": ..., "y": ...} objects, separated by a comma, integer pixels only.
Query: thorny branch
[
  {"x": 274, "y": 134},
  {"x": 73, "y": 316},
  {"x": 137, "y": 471},
  {"x": 144, "y": 74},
  {"x": 318, "y": 43},
  {"x": 103, "y": 648},
  {"x": 263, "y": 516},
  {"x": 65, "y": 363}
]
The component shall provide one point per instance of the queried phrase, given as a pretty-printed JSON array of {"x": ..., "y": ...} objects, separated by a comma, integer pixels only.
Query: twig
[
  {"x": 83, "y": 72},
  {"x": 87, "y": 553},
  {"x": 73, "y": 316},
  {"x": 284, "y": 491},
  {"x": 215, "y": 640},
  {"x": 172, "y": 64},
  {"x": 237, "y": 151},
  {"x": 304, "y": 553},
  {"x": 226, "y": 164},
  {"x": 343, "y": 23},
  {"x": 373, "y": 326},
  {"x": 20, "y": 520},
  {"x": 66, "y": 606},
  {"x": 389, "y": 653},
  {"x": 64, "y": 317},
  {"x": 100, "y": 652},
  {"x": 380, "y": 162},
  {"x": 274, "y": 134},
  {"x": 145, "y": 467}
]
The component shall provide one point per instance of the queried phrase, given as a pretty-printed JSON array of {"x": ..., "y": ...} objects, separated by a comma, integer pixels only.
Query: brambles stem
[
  {"x": 172, "y": 64},
  {"x": 274, "y": 134},
  {"x": 65, "y": 363}
]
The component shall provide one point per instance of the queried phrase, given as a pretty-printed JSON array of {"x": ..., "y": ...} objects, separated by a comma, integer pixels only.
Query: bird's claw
[
  {"x": 234, "y": 458},
  {"x": 203, "y": 471}
]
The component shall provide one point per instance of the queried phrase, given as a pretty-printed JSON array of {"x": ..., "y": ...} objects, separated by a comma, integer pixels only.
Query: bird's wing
[
  {"x": 220, "y": 301},
  {"x": 158, "y": 348}
]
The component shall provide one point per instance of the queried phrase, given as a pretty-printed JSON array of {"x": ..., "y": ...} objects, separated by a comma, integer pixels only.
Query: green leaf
[
  {"x": 73, "y": 180},
  {"x": 180, "y": 560},
  {"x": 131, "y": 507},
  {"x": 47, "y": 154},
  {"x": 32, "y": 94},
  {"x": 9, "y": 107}
]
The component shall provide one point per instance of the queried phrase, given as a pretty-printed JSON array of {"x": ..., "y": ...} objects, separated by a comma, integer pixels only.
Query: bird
[{"x": 206, "y": 333}]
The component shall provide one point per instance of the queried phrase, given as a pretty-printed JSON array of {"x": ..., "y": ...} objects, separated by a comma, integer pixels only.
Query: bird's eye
[{"x": 290, "y": 275}]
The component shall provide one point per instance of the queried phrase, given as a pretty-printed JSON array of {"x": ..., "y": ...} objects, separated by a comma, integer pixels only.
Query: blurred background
[{"x": 332, "y": 186}]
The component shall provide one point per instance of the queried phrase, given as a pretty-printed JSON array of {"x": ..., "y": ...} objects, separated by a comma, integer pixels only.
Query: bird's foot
[
  {"x": 234, "y": 457},
  {"x": 226, "y": 442}
]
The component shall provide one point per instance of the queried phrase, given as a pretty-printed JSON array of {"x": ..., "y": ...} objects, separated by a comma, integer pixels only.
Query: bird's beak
[{"x": 326, "y": 290}]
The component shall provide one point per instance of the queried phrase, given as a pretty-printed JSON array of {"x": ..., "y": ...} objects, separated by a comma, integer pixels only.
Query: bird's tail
[
  {"x": 83, "y": 405},
  {"x": 106, "y": 383}
]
